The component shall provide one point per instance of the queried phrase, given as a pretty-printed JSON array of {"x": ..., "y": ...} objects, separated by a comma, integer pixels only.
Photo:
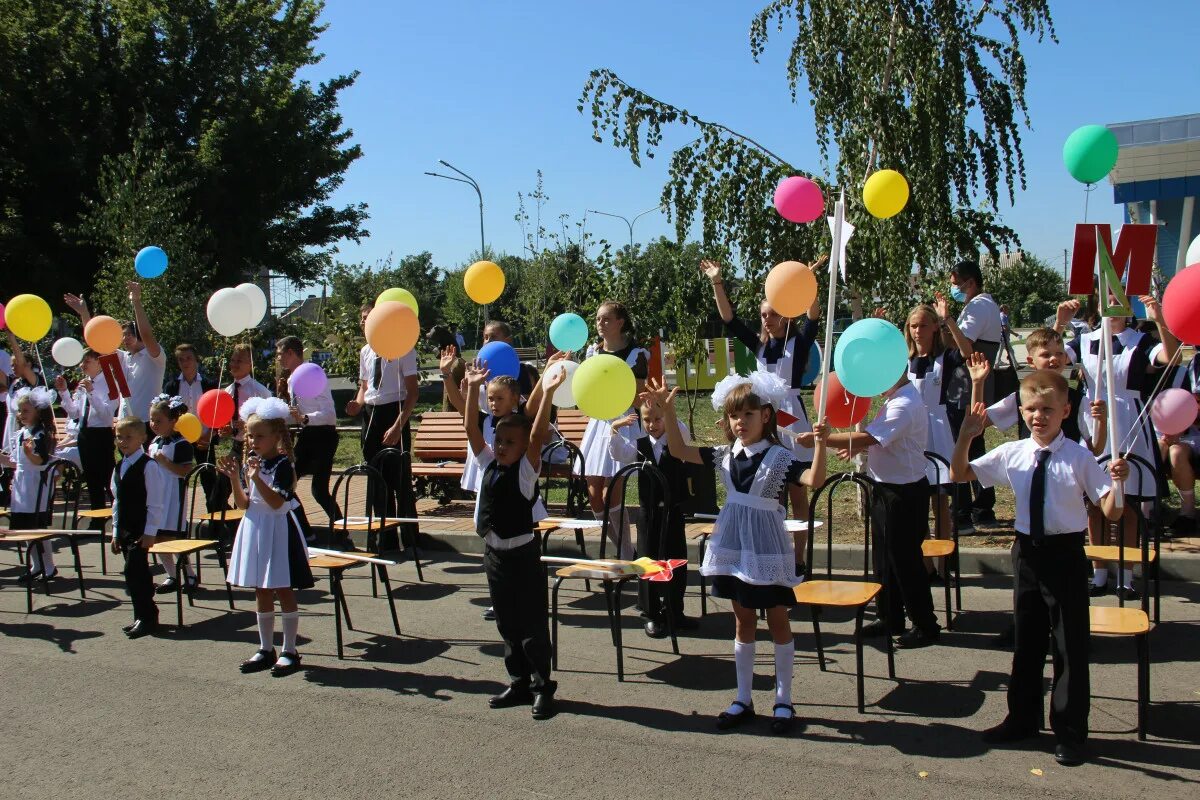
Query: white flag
[{"x": 847, "y": 232}]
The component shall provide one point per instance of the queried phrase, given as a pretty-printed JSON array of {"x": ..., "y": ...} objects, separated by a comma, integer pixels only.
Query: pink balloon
[
  {"x": 2, "y": 322},
  {"x": 309, "y": 380},
  {"x": 798, "y": 199},
  {"x": 1174, "y": 411}
]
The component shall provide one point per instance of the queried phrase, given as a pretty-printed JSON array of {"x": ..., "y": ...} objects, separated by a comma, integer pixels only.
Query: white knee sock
[
  {"x": 266, "y": 630},
  {"x": 1100, "y": 576},
  {"x": 291, "y": 624},
  {"x": 44, "y": 553},
  {"x": 785, "y": 656},
  {"x": 1187, "y": 503},
  {"x": 1127, "y": 578},
  {"x": 743, "y": 659},
  {"x": 168, "y": 563}
]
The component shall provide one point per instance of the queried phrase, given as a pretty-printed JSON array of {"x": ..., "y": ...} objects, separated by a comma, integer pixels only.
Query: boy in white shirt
[{"x": 1049, "y": 475}]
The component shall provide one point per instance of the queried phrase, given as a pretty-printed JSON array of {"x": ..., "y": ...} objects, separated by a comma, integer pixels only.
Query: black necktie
[
  {"x": 743, "y": 456},
  {"x": 1037, "y": 499},
  {"x": 83, "y": 417},
  {"x": 377, "y": 373},
  {"x": 236, "y": 404}
]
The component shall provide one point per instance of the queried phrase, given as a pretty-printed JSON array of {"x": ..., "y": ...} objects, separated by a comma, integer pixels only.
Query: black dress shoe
[
  {"x": 543, "y": 705},
  {"x": 142, "y": 628},
  {"x": 917, "y": 637},
  {"x": 190, "y": 585},
  {"x": 46, "y": 577},
  {"x": 727, "y": 721},
  {"x": 28, "y": 577},
  {"x": 167, "y": 587},
  {"x": 1069, "y": 755},
  {"x": 780, "y": 724},
  {"x": 1097, "y": 591},
  {"x": 511, "y": 697},
  {"x": 261, "y": 660},
  {"x": 1007, "y": 732},
  {"x": 983, "y": 516},
  {"x": 281, "y": 670},
  {"x": 1128, "y": 593},
  {"x": 879, "y": 628},
  {"x": 129, "y": 627},
  {"x": 489, "y": 614},
  {"x": 656, "y": 629}
]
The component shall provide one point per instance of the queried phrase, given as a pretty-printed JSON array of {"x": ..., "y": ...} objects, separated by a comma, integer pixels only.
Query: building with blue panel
[{"x": 1157, "y": 180}]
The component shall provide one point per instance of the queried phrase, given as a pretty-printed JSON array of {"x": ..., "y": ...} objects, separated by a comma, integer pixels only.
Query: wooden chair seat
[
  {"x": 1099, "y": 552},
  {"x": 844, "y": 594},
  {"x": 31, "y": 537},
  {"x": 182, "y": 548},
  {"x": 937, "y": 548},
  {"x": 336, "y": 562},
  {"x": 1113, "y": 621},
  {"x": 99, "y": 513},
  {"x": 229, "y": 515}
]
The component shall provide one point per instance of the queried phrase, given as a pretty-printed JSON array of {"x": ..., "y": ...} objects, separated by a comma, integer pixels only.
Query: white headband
[
  {"x": 767, "y": 386},
  {"x": 40, "y": 396},
  {"x": 264, "y": 408}
]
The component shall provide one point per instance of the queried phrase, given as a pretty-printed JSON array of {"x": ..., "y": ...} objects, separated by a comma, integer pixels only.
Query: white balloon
[
  {"x": 228, "y": 310},
  {"x": 1193, "y": 253},
  {"x": 564, "y": 397},
  {"x": 67, "y": 351},
  {"x": 258, "y": 303}
]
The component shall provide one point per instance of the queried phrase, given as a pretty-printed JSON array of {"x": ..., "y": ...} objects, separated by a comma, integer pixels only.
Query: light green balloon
[
  {"x": 604, "y": 387},
  {"x": 1090, "y": 153},
  {"x": 400, "y": 296}
]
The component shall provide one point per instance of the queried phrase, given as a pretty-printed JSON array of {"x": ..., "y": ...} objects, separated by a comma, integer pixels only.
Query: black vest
[
  {"x": 131, "y": 494},
  {"x": 502, "y": 508}
]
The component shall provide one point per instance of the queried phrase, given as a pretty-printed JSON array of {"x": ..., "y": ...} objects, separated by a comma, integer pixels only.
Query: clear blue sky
[{"x": 491, "y": 88}]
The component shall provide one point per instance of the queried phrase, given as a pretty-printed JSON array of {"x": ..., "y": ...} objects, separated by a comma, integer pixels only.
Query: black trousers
[
  {"x": 315, "y": 449},
  {"x": 397, "y": 476},
  {"x": 139, "y": 584},
  {"x": 517, "y": 584},
  {"x": 96, "y": 458},
  {"x": 1051, "y": 599},
  {"x": 652, "y": 543},
  {"x": 899, "y": 519},
  {"x": 984, "y": 499}
]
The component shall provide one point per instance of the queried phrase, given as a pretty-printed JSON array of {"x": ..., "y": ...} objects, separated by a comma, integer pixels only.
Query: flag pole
[
  {"x": 1110, "y": 395},
  {"x": 835, "y": 252}
]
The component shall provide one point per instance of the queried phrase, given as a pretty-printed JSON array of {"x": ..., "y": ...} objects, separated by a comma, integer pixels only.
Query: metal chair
[
  {"x": 944, "y": 548},
  {"x": 570, "y": 473},
  {"x": 404, "y": 503},
  {"x": 1148, "y": 537}
]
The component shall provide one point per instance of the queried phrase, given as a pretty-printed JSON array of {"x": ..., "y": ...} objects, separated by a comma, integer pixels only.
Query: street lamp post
[
  {"x": 467, "y": 179},
  {"x": 628, "y": 222}
]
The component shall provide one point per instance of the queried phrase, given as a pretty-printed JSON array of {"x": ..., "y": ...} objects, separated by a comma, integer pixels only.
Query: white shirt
[
  {"x": 100, "y": 407},
  {"x": 156, "y": 489},
  {"x": 247, "y": 388},
  {"x": 1005, "y": 413},
  {"x": 1071, "y": 473},
  {"x": 625, "y": 451},
  {"x": 320, "y": 409},
  {"x": 528, "y": 478},
  {"x": 190, "y": 393},
  {"x": 144, "y": 374},
  {"x": 391, "y": 382},
  {"x": 980, "y": 319},
  {"x": 901, "y": 428}
]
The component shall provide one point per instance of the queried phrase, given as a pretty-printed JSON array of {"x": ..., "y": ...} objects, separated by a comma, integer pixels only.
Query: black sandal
[
  {"x": 782, "y": 725},
  {"x": 262, "y": 659},
  {"x": 283, "y": 670},
  {"x": 726, "y": 721}
]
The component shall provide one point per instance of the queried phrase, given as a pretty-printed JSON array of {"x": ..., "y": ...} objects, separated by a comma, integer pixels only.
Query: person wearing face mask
[{"x": 980, "y": 323}]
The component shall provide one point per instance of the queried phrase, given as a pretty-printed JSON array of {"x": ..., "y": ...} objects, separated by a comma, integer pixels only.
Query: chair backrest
[
  {"x": 397, "y": 462},
  {"x": 829, "y": 488},
  {"x": 61, "y": 474},
  {"x": 345, "y": 479},
  {"x": 1147, "y": 477},
  {"x": 623, "y": 479},
  {"x": 193, "y": 488},
  {"x": 941, "y": 469},
  {"x": 563, "y": 461}
]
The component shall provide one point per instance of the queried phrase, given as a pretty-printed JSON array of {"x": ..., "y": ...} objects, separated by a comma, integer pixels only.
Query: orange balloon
[
  {"x": 103, "y": 334},
  {"x": 791, "y": 288},
  {"x": 392, "y": 329}
]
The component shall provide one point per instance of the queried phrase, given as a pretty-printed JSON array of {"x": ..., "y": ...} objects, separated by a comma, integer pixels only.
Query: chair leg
[
  {"x": 387, "y": 590},
  {"x": 617, "y": 631},
  {"x": 957, "y": 580},
  {"x": 374, "y": 587},
  {"x": 224, "y": 571},
  {"x": 1143, "y": 695},
  {"x": 179, "y": 563},
  {"x": 416, "y": 553},
  {"x": 815, "y": 611},
  {"x": 335, "y": 590},
  {"x": 103, "y": 554},
  {"x": 891, "y": 651},
  {"x": 78, "y": 567},
  {"x": 342, "y": 600},
  {"x": 554, "y": 623},
  {"x": 858, "y": 654},
  {"x": 608, "y": 607},
  {"x": 670, "y": 603},
  {"x": 949, "y": 611}
]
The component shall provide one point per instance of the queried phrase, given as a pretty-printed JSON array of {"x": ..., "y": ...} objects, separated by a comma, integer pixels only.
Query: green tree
[
  {"x": 933, "y": 88},
  {"x": 215, "y": 86},
  {"x": 1030, "y": 287}
]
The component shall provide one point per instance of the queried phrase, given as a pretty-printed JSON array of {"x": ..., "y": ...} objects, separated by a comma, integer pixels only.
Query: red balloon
[
  {"x": 215, "y": 408},
  {"x": 1181, "y": 305},
  {"x": 843, "y": 409}
]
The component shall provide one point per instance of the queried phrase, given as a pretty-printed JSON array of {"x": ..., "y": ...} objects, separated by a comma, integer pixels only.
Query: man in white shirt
[
  {"x": 143, "y": 359},
  {"x": 387, "y": 396},
  {"x": 317, "y": 441},
  {"x": 92, "y": 407}
]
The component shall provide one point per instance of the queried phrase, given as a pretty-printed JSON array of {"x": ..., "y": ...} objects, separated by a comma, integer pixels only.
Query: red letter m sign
[{"x": 1134, "y": 257}]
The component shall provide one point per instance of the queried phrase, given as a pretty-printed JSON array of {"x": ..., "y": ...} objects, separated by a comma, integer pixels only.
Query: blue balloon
[
  {"x": 150, "y": 262},
  {"x": 870, "y": 357},
  {"x": 568, "y": 332},
  {"x": 500, "y": 359},
  {"x": 813, "y": 368}
]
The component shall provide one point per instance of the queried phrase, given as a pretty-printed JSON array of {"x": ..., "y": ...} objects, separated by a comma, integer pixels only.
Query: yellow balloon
[
  {"x": 189, "y": 427},
  {"x": 604, "y": 387},
  {"x": 484, "y": 282},
  {"x": 399, "y": 296},
  {"x": 28, "y": 317},
  {"x": 885, "y": 194}
]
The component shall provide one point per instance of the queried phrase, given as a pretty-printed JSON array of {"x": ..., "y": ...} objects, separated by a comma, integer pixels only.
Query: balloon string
[
  {"x": 41, "y": 367},
  {"x": 1133, "y": 429}
]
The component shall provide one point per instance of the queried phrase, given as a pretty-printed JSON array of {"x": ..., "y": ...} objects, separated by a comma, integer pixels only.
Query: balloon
[
  {"x": 885, "y": 194},
  {"x": 500, "y": 359},
  {"x": 484, "y": 281},
  {"x": 309, "y": 380},
  {"x": 392, "y": 329},
  {"x": 28, "y": 317},
  {"x": 843, "y": 409},
  {"x": 813, "y": 368},
  {"x": 797, "y": 199},
  {"x": 258, "y": 303},
  {"x": 1193, "y": 256},
  {"x": 791, "y": 288},
  {"x": 103, "y": 334},
  {"x": 1181, "y": 305},
  {"x": 1174, "y": 411},
  {"x": 150, "y": 262},
  {"x": 870, "y": 357},
  {"x": 189, "y": 427},
  {"x": 228, "y": 311},
  {"x": 215, "y": 408},
  {"x": 564, "y": 395},
  {"x": 3, "y": 324},
  {"x": 67, "y": 351},
  {"x": 1090, "y": 153},
  {"x": 568, "y": 332},
  {"x": 604, "y": 387},
  {"x": 400, "y": 296}
]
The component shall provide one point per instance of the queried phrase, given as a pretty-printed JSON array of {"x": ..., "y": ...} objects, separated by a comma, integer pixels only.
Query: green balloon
[{"x": 1090, "y": 153}]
